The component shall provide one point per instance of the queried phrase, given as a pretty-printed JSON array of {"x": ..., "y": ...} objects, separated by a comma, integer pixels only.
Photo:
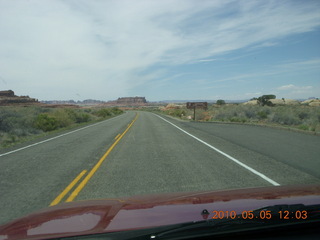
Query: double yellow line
[{"x": 90, "y": 174}]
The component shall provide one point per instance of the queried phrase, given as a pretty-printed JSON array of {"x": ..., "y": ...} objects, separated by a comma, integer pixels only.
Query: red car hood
[{"x": 110, "y": 215}]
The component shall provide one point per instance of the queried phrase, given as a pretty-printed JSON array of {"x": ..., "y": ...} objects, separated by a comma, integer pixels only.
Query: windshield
[{"x": 116, "y": 99}]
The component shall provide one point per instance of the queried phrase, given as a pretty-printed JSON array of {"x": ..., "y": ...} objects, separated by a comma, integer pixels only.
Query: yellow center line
[
  {"x": 117, "y": 136},
  {"x": 67, "y": 189},
  {"x": 95, "y": 168}
]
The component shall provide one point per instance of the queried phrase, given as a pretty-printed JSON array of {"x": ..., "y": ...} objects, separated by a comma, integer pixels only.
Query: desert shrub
[
  {"x": 82, "y": 117},
  {"x": 62, "y": 118},
  {"x": 238, "y": 119},
  {"x": 219, "y": 117},
  {"x": 8, "y": 119},
  {"x": 78, "y": 116},
  {"x": 303, "y": 127},
  {"x": 5, "y": 125},
  {"x": 249, "y": 113},
  {"x": 71, "y": 114},
  {"x": 46, "y": 123},
  {"x": 232, "y": 113},
  {"x": 303, "y": 115},
  {"x": 116, "y": 111},
  {"x": 203, "y": 116},
  {"x": 103, "y": 113},
  {"x": 262, "y": 115},
  {"x": 180, "y": 112},
  {"x": 18, "y": 123},
  {"x": 286, "y": 118}
]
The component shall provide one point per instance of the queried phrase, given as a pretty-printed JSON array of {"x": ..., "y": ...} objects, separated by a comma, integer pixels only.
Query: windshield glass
[{"x": 115, "y": 99}]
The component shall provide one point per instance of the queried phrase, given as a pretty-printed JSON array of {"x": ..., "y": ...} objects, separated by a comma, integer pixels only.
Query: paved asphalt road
[{"x": 146, "y": 154}]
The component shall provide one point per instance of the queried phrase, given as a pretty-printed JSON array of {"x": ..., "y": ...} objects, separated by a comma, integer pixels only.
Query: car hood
[{"x": 111, "y": 215}]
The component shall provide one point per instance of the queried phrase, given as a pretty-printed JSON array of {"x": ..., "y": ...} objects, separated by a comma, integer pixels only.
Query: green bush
[
  {"x": 63, "y": 118},
  {"x": 116, "y": 111},
  {"x": 262, "y": 115},
  {"x": 71, "y": 114},
  {"x": 5, "y": 125},
  {"x": 303, "y": 115},
  {"x": 78, "y": 116},
  {"x": 46, "y": 123},
  {"x": 19, "y": 123},
  {"x": 103, "y": 113},
  {"x": 83, "y": 117},
  {"x": 220, "y": 102}
]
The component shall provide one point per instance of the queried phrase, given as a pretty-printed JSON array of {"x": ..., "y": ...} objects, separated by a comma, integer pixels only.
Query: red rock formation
[
  {"x": 8, "y": 98},
  {"x": 8, "y": 93}
]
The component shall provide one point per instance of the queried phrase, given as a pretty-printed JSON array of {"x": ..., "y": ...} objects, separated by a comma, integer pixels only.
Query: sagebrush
[
  {"x": 296, "y": 116},
  {"x": 20, "y": 123}
]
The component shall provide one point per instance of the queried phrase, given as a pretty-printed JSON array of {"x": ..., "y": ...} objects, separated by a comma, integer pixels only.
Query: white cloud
[
  {"x": 287, "y": 87},
  {"x": 300, "y": 65},
  {"x": 54, "y": 48},
  {"x": 207, "y": 60},
  {"x": 295, "y": 89}
]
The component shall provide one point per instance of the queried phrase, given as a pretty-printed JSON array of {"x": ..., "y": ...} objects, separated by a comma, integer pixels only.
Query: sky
[{"x": 160, "y": 49}]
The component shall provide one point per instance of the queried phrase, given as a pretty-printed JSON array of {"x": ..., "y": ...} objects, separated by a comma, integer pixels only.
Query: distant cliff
[
  {"x": 127, "y": 102},
  {"x": 132, "y": 100},
  {"x": 8, "y": 98}
]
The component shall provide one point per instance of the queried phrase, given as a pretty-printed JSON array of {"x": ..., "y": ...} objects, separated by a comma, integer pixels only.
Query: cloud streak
[{"x": 291, "y": 87}]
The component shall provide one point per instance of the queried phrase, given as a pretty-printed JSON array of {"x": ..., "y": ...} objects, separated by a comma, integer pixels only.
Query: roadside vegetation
[
  {"x": 301, "y": 117},
  {"x": 18, "y": 124}
]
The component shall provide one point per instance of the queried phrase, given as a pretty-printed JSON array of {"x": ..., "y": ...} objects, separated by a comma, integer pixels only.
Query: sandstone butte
[{"x": 9, "y": 98}]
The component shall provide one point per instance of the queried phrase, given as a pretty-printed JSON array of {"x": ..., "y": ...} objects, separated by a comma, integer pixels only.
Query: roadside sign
[{"x": 193, "y": 105}]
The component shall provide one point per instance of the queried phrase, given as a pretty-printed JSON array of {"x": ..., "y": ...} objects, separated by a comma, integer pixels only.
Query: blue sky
[{"x": 163, "y": 50}]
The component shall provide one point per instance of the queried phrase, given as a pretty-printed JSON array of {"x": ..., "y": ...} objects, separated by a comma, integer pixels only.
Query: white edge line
[
  {"x": 47, "y": 140},
  {"x": 226, "y": 155}
]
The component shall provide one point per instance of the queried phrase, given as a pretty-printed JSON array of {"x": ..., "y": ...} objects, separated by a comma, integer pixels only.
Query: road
[{"x": 141, "y": 153}]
